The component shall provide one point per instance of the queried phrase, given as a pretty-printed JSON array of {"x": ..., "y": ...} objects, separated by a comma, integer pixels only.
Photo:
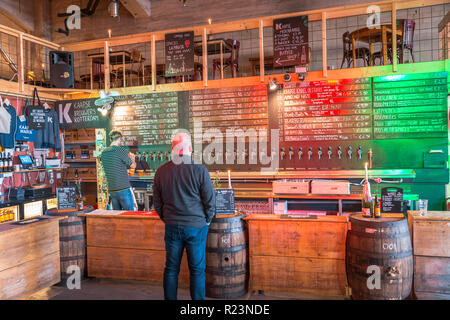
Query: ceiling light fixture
[{"x": 113, "y": 8}]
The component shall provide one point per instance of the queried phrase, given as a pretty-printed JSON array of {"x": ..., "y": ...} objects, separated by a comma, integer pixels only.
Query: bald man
[{"x": 183, "y": 197}]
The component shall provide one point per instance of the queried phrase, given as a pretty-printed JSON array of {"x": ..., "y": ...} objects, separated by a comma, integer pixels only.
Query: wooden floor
[{"x": 109, "y": 289}]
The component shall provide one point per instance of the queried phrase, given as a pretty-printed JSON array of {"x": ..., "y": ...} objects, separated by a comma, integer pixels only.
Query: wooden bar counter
[
  {"x": 127, "y": 247},
  {"x": 304, "y": 255},
  {"x": 29, "y": 257}
]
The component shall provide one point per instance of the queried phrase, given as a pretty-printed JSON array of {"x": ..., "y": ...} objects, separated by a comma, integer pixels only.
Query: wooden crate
[
  {"x": 290, "y": 187},
  {"x": 298, "y": 255},
  {"x": 330, "y": 187},
  {"x": 70, "y": 136},
  {"x": 431, "y": 246},
  {"x": 86, "y": 135}
]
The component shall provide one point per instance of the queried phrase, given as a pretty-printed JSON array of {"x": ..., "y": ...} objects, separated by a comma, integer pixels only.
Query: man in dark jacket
[{"x": 183, "y": 196}]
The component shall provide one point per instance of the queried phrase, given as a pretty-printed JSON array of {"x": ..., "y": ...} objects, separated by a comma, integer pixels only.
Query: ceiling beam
[{"x": 137, "y": 8}]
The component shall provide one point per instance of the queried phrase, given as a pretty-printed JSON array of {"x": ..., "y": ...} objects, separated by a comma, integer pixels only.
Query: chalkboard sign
[
  {"x": 225, "y": 201},
  {"x": 290, "y": 41},
  {"x": 76, "y": 114},
  {"x": 179, "y": 54},
  {"x": 146, "y": 119},
  {"x": 391, "y": 200},
  {"x": 67, "y": 198},
  {"x": 37, "y": 118}
]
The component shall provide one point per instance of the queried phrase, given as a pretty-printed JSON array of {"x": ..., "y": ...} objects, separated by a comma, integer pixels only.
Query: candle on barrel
[{"x": 229, "y": 179}]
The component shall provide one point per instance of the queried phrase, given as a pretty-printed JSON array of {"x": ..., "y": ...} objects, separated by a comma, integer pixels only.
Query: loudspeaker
[{"x": 61, "y": 69}]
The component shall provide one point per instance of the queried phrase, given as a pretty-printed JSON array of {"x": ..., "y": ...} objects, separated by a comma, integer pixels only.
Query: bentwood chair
[
  {"x": 361, "y": 53},
  {"x": 406, "y": 42},
  {"x": 232, "y": 61}
]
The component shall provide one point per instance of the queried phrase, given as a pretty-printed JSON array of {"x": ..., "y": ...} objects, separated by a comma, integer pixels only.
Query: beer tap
[
  {"x": 349, "y": 152},
  {"x": 310, "y": 152},
  {"x": 282, "y": 153},
  {"x": 166, "y": 156},
  {"x": 319, "y": 153},
  {"x": 300, "y": 153},
  {"x": 359, "y": 151},
  {"x": 370, "y": 158},
  {"x": 330, "y": 152},
  {"x": 339, "y": 152},
  {"x": 291, "y": 153}
]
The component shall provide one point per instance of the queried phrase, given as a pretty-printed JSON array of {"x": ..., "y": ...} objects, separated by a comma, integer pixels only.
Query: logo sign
[{"x": 75, "y": 114}]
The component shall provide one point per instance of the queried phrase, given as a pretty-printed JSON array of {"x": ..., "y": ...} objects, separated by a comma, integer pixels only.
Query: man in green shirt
[{"x": 116, "y": 160}]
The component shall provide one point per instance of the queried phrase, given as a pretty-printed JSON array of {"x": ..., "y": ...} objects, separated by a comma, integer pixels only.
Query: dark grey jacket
[{"x": 183, "y": 194}]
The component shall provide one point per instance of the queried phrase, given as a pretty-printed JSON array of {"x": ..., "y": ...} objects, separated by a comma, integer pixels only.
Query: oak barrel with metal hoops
[
  {"x": 226, "y": 257},
  {"x": 72, "y": 241},
  {"x": 379, "y": 249}
]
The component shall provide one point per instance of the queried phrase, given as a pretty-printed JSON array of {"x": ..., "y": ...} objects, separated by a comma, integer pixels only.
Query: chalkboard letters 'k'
[{"x": 65, "y": 113}]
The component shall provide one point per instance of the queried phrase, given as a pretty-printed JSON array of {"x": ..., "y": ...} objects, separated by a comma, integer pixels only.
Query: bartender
[{"x": 116, "y": 161}]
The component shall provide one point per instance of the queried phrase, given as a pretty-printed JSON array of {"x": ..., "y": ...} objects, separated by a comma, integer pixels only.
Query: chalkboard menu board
[
  {"x": 225, "y": 201},
  {"x": 229, "y": 108},
  {"x": 146, "y": 119},
  {"x": 37, "y": 118},
  {"x": 179, "y": 54},
  {"x": 67, "y": 198},
  {"x": 75, "y": 114},
  {"x": 327, "y": 110},
  {"x": 290, "y": 41},
  {"x": 410, "y": 106},
  {"x": 391, "y": 199}
]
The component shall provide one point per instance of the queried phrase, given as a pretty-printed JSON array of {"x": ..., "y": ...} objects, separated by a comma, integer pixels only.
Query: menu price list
[
  {"x": 327, "y": 110},
  {"x": 410, "y": 106},
  {"x": 236, "y": 108},
  {"x": 146, "y": 119}
]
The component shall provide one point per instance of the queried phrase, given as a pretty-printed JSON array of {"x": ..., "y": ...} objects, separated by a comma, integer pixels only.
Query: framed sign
[
  {"x": 224, "y": 201},
  {"x": 290, "y": 41},
  {"x": 391, "y": 200},
  {"x": 67, "y": 198},
  {"x": 179, "y": 54}
]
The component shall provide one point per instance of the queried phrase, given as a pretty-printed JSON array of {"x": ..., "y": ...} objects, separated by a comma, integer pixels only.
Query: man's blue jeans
[
  {"x": 194, "y": 240},
  {"x": 122, "y": 200}
]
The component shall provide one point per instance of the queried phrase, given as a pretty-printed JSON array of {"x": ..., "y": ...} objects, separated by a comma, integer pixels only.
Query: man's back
[
  {"x": 183, "y": 194},
  {"x": 115, "y": 161}
]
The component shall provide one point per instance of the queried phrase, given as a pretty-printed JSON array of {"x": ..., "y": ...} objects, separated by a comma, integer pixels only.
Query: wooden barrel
[
  {"x": 379, "y": 249},
  {"x": 226, "y": 257},
  {"x": 72, "y": 241}
]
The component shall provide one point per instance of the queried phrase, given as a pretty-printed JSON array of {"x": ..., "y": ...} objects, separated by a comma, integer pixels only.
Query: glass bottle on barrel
[{"x": 367, "y": 208}]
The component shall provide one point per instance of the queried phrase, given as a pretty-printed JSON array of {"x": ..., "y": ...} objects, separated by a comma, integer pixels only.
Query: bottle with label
[
  {"x": 367, "y": 196},
  {"x": 377, "y": 208},
  {"x": 2, "y": 163}
]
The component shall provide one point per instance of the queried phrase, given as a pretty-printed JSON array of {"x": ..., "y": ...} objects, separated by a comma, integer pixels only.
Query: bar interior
[{"x": 324, "y": 128}]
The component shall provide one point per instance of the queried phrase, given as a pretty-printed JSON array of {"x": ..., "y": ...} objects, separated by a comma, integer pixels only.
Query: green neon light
[
  {"x": 437, "y": 128},
  {"x": 416, "y": 96},
  {"x": 410, "y": 109},
  {"x": 408, "y": 103},
  {"x": 412, "y": 76},
  {"x": 411, "y": 83},
  {"x": 409, "y": 90}
]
